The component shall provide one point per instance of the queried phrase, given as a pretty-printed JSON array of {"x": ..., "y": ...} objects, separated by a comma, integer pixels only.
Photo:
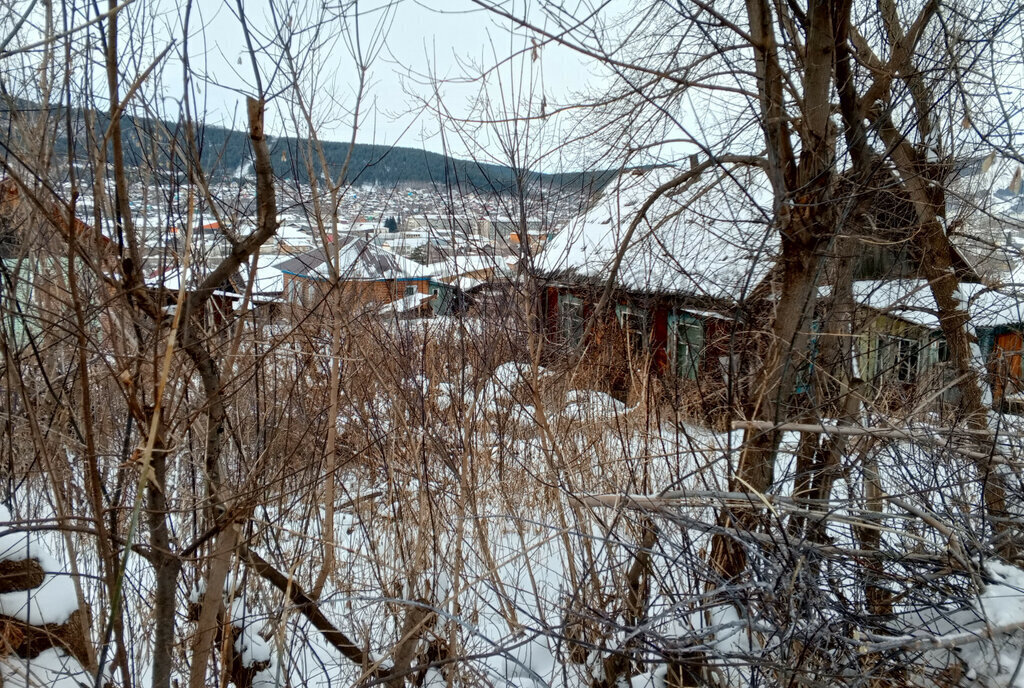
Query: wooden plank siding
[
  {"x": 616, "y": 363},
  {"x": 356, "y": 293},
  {"x": 904, "y": 365},
  {"x": 1005, "y": 368}
]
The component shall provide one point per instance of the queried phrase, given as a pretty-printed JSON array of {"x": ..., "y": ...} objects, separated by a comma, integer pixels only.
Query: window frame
[
  {"x": 899, "y": 357},
  {"x": 642, "y": 326},
  {"x": 908, "y": 360},
  {"x": 694, "y": 346},
  {"x": 571, "y": 327}
]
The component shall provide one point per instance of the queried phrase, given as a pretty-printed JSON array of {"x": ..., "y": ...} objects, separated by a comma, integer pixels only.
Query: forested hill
[{"x": 225, "y": 153}]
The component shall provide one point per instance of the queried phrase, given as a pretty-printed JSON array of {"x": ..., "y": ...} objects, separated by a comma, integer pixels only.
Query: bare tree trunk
[
  {"x": 805, "y": 218},
  {"x": 836, "y": 391},
  {"x": 209, "y": 374},
  {"x": 131, "y": 265},
  {"x": 953, "y": 319},
  {"x": 937, "y": 262},
  {"x": 331, "y": 458},
  {"x": 756, "y": 469},
  {"x": 210, "y": 613},
  {"x": 618, "y": 667},
  {"x": 166, "y": 565}
]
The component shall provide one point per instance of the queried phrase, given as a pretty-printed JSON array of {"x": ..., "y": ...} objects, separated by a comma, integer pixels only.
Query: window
[
  {"x": 906, "y": 360},
  {"x": 633, "y": 322},
  {"x": 898, "y": 357},
  {"x": 805, "y": 371},
  {"x": 687, "y": 333},
  {"x": 570, "y": 319},
  {"x": 410, "y": 290},
  {"x": 934, "y": 353}
]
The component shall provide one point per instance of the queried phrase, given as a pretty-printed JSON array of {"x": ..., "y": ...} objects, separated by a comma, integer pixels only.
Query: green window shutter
[
  {"x": 571, "y": 322},
  {"x": 686, "y": 335}
]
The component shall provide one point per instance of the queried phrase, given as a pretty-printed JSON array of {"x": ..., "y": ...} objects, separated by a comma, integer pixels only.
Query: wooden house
[
  {"x": 368, "y": 273},
  {"x": 898, "y": 345},
  {"x": 460, "y": 268},
  {"x": 1005, "y": 346},
  {"x": 686, "y": 277},
  {"x": 901, "y": 343},
  {"x": 455, "y": 278},
  {"x": 446, "y": 298},
  {"x": 688, "y": 263},
  {"x": 902, "y": 353},
  {"x": 999, "y": 322}
]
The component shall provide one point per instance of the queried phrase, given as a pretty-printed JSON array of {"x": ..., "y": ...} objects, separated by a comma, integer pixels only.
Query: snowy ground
[{"x": 527, "y": 584}]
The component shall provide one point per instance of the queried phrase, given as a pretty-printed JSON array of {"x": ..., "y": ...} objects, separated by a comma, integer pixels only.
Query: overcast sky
[
  {"x": 431, "y": 49},
  {"x": 419, "y": 85}
]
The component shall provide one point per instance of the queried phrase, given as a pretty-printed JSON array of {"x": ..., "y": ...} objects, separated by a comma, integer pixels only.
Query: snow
[
  {"x": 51, "y": 603},
  {"x": 987, "y": 636},
  {"x": 466, "y": 283},
  {"x": 445, "y": 392},
  {"x": 710, "y": 240},
  {"x": 404, "y": 304},
  {"x": 500, "y": 387},
  {"x": 294, "y": 234},
  {"x": 592, "y": 405},
  {"x": 530, "y": 660},
  {"x": 52, "y": 668},
  {"x": 998, "y": 659},
  {"x": 650, "y": 679},
  {"x": 269, "y": 280},
  {"x": 1002, "y": 602},
  {"x": 252, "y": 648},
  {"x": 170, "y": 279},
  {"x": 55, "y": 599},
  {"x": 14, "y": 544},
  {"x": 530, "y": 574},
  {"x": 508, "y": 375},
  {"x": 456, "y": 266},
  {"x": 268, "y": 679},
  {"x": 529, "y": 569},
  {"x": 912, "y": 301},
  {"x": 358, "y": 259},
  {"x": 732, "y": 638},
  {"x": 434, "y": 679}
]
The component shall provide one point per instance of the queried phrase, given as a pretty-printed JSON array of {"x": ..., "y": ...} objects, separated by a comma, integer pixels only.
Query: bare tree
[{"x": 326, "y": 492}]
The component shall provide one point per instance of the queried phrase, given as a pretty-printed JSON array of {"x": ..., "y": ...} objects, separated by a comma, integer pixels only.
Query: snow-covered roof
[
  {"x": 404, "y": 304},
  {"x": 709, "y": 238},
  {"x": 170, "y": 278},
  {"x": 358, "y": 260},
  {"x": 269, "y": 279},
  {"x": 455, "y": 266},
  {"x": 466, "y": 283},
  {"x": 911, "y": 300},
  {"x": 294, "y": 232}
]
